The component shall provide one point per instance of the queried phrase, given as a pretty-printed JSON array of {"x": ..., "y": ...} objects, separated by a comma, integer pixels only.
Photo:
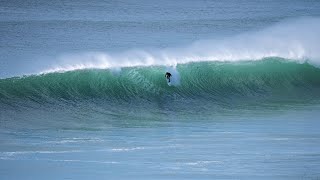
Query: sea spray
[{"x": 293, "y": 39}]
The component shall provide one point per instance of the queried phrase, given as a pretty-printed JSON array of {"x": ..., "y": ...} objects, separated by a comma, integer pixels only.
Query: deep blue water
[{"x": 83, "y": 93}]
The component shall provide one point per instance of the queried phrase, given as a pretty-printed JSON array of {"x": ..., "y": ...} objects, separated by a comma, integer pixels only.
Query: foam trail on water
[{"x": 294, "y": 39}]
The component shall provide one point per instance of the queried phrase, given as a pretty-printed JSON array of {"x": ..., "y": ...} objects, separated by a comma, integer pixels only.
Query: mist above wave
[{"x": 293, "y": 39}]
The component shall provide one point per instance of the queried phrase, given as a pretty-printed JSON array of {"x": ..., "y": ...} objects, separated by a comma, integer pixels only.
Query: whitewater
[
  {"x": 83, "y": 93},
  {"x": 292, "y": 39}
]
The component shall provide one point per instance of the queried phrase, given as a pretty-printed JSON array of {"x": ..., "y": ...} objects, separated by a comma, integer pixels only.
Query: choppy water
[{"x": 83, "y": 93}]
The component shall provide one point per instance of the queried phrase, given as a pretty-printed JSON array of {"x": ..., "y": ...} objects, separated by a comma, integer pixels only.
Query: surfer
[{"x": 168, "y": 75}]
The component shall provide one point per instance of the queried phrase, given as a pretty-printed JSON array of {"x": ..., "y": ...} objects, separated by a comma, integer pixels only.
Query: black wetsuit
[{"x": 168, "y": 75}]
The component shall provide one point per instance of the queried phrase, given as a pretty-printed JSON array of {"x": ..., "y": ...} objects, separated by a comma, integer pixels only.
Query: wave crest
[{"x": 294, "y": 39}]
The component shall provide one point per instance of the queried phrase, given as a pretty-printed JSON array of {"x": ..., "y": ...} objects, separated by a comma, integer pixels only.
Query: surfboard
[{"x": 169, "y": 83}]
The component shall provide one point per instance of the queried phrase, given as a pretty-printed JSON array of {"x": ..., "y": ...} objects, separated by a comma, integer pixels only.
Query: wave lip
[{"x": 295, "y": 39}]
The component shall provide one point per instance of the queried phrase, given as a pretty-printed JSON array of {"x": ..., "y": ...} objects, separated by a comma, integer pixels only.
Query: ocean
[{"x": 83, "y": 93}]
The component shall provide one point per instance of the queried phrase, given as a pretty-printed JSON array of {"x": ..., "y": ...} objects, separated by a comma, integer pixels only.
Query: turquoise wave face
[{"x": 271, "y": 80}]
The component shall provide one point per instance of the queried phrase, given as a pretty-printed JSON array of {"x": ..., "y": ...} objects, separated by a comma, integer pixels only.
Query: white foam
[
  {"x": 127, "y": 149},
  {"x": 293, "y": 39},
  {"x": 202, "y": 163},
  {"x": 81, "y": 161},
  {"x": 13, "y": 153}
]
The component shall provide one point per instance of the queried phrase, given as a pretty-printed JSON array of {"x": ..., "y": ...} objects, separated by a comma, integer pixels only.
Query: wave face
[{"x": 223, "y": 84}]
